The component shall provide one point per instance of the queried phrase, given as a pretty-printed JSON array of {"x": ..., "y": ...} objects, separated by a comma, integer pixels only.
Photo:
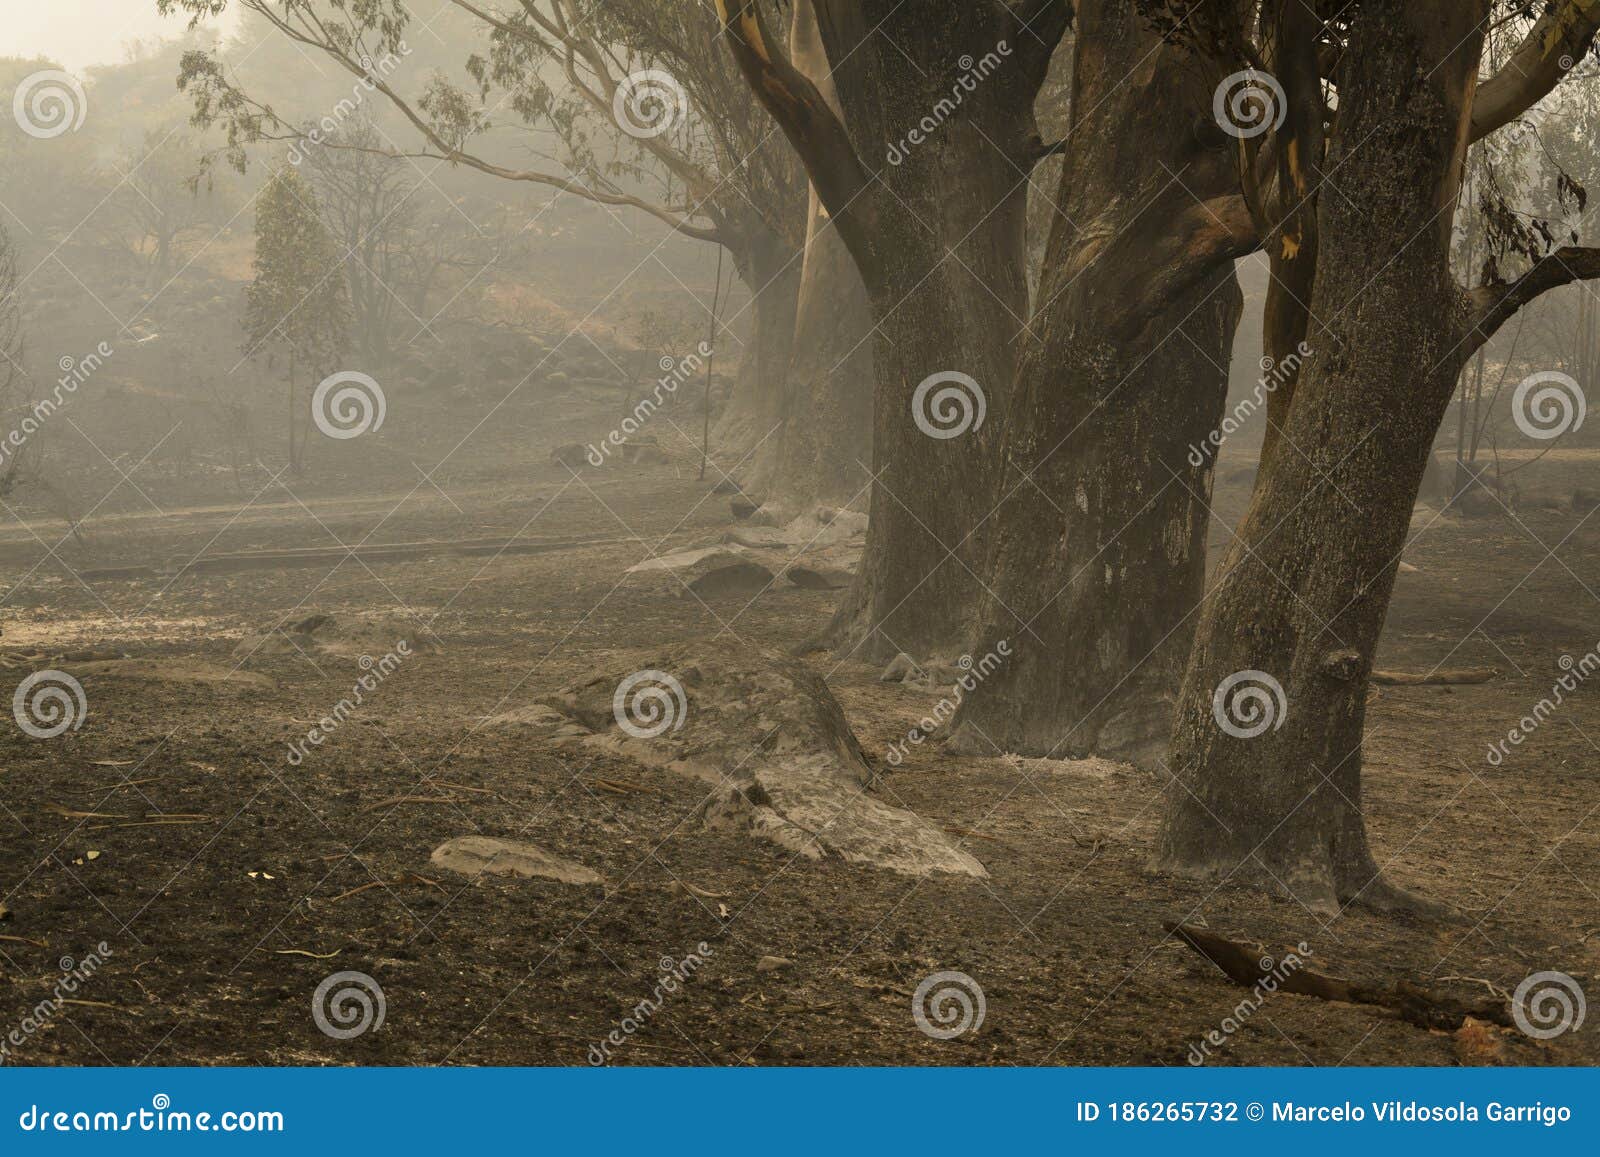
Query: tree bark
[
  {"x": 1270, "y": 791},
  {"x": 754, "y": 410},
  {"x": 924, "y": 176},
  {"x": 1098, "y": 557}
]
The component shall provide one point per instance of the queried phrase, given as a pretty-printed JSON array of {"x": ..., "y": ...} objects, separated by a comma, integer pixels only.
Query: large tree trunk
[
  {"x": 1269, "y": 788},
  {"x": 1098, "y": 557},
  {"x": 946, "y": 277}
]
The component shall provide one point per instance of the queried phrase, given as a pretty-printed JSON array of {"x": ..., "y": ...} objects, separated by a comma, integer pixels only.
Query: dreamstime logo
[
  {"x": 1273, "y": 973},
  {"x": 348, "y": 404},
  {"x": 1548, "y": 404},
  {"x": 1250, "y": 103},
  {"x": 1548, "y": 1004},
  {"x": 948, "y": 1004},
  {"x": 48, "y": 703},
  {"x": 674, "y": 974},
  {"x": 375, "y": 671},
  {"x": 1574, "y": 672},
  {"x": 677, "y": 371},
  {"x": 347, "y": 1004},
  {"x": 649, "y": 103},
  {"x": 943, "y": 711},
  {"x": 49, "y": 103},
  {"x": 648, "y": 704},
  {"x": 954, "y": 409},
  {"x": 1247, "y": 703},
  {"x": 972, "y": 72}
]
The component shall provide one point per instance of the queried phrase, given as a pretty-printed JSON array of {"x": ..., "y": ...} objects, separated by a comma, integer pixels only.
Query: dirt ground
[{"x": 227, "y": 882}]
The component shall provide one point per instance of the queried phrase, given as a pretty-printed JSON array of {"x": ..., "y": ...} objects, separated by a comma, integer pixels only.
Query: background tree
[{"x": 296, "y": 307}]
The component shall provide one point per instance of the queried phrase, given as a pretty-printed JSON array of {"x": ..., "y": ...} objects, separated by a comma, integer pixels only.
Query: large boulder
[{"x": 766, "y": 732}]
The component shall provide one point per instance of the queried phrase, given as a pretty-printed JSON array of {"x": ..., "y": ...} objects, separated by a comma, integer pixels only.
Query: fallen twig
[
  {"x": 1456, "y": 676},
  {"x": 399, "y": 799}
]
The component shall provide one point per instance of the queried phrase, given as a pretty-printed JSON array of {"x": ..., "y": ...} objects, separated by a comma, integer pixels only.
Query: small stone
[
  {"x": 481, "y": 855},
  {"x": 773, "y": 963}
]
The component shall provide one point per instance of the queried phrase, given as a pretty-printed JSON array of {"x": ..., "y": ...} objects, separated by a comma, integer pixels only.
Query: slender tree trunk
[
  {"x": 1269, "y": 788},
  {"x": 750, "y": 420},
  {"x": 1098, "y": 556},
  {"x": 823, "y": 452}
]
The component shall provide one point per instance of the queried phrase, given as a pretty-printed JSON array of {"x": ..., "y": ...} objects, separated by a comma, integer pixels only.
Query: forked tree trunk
[
  {"x": 1303, "y": 593},
  {"x": 1098, "y": 558}
]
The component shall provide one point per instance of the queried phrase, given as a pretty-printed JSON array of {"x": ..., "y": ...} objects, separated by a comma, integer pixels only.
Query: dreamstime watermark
[
  {"x": 973, "y": 72},
  {"x": 347, "y": 1004},
  {"x": 377, "y": 670},
  {"x": 948, "y": 404},
  {"x": 372, "y": 73},
  {"x": 1577, "y": 670},
  {"x": 948, "y": 1004},
  {"x": 649, "y": 103},
  {"x": 1247, "y": 703},
  {"x": 1249, "y": 103},
  {"x": 49, "y": 703},
  {"x": 49, "y": 103},
  {"x": 943, "y": 711},
  {"x": 649, "y": 703},
  {"x": 1548, "y": 404},
  {"x": 677, "y": 371},
  {"x": 1547, "y": 1004},
  {"x": 1274, "y": 973},
  {"x": 348, "y": 404},
  {"x": 1274, "y": 375},
  {"x": 674, "y": 974},
  {"x": 74, "y": 973},
  {"x": 74, "y": 373}
]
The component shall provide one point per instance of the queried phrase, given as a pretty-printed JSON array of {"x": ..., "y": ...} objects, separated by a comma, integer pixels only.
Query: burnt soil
[{"x": 220, "y": 926}]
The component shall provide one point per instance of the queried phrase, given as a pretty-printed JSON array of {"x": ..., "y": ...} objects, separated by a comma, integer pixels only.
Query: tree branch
[
  {"x": 806, "y": 119},
  {"x": 1491, "y": 306},
  {"x": 1563, "y": 34}
]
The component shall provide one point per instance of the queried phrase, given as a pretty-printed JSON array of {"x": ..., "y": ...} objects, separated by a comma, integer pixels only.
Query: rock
[
  {"x": 742, "y": 507},
  {"x": 900, "y": 668},
  {"x": 372, "y": 637},
  {"x": 764, "y": 730},
  {"x": 482, "y": 855},
  {"x": 710, "y": 572},
  {"x": 773, "y": 963},
  {"x": 818, "y": 578},
  {"x": 571, "y": 455}
]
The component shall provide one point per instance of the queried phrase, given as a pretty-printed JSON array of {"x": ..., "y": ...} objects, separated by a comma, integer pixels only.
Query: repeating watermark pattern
[
  {"x": 1247, "y": 703},
  {"x": 376, "y": 671},
  {"x": 674, "y": 974},
  {"x": 973, "y": 73},
  {"x": 49, "y": 703},
  {"x": 943, "y": 711},
  {"x": 948, "y": 404},
  {"x": 676, "y": 371},
  {"x": 374, "y": 72},
  {"x": 1547, "y": 1004},
  {"x": 49, "y": 103},
  {"x": 1274, "y": 973},
  {"x": 74, "y": 372},
  {"x": 1274, "y": 375},
  {"x": 348, "y": 404},
  {"x": 649, "y": 103},
  {"x": 1577, "y": 670},
  {"x": 1548, "y": 404},
  {"x": 74, "y": 974},
  {"x": 348, "y": 1004},
  {"x": 948, "y": 1004},
  {"x": 648, "y": 704},
  {"x": 1249, "y": 103}
]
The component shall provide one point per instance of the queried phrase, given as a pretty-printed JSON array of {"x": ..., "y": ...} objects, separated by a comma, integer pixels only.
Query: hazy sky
[{"x": 81, "y": 32}]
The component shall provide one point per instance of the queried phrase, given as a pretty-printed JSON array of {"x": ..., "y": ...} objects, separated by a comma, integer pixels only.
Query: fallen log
[
  {"x": 1454, "y": 676},
  {"x": 1251, "y": 967}
]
